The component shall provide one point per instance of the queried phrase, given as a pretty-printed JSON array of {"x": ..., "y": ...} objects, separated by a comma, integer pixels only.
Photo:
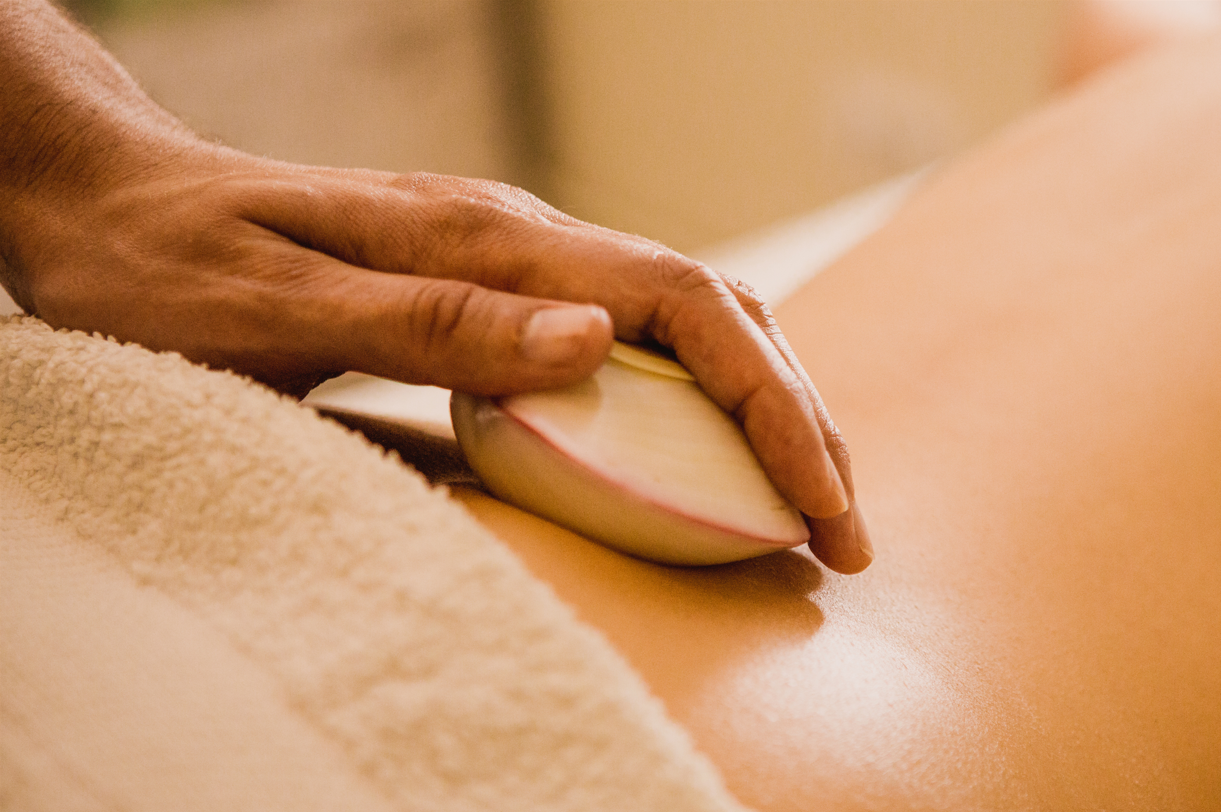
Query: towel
[{"x": 211, "y": 597}]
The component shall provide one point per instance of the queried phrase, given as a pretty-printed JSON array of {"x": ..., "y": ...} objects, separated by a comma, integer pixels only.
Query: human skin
[
  {"x": 1099, "y": 32},
  {"x": 1029, "y": 361},
  {"x": 1029, "y": 358},
  {"x": 115, "y": 218}
]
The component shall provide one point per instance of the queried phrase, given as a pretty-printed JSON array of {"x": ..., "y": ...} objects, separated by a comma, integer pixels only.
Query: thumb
[{"x": 462, "y": 336}]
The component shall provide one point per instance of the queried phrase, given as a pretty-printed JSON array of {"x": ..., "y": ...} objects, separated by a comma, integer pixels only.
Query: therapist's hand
[
  {"x": 115, "y": 218},
  {"x": 290, "y": 273}
]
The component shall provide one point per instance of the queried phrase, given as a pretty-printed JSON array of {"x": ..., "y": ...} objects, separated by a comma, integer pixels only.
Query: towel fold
[{"x": 363, "y": 606}]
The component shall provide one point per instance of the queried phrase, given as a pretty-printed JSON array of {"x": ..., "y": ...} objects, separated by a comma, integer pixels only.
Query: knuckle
[
  {"x": 438, "y": 313},
  {"x": 747, "y": 295},
  {"x": 466, "y": 217},
  {"x": 755, "y": 307},
  {"x": 460, "y": 226},
  {"x": 750, "y": 301},
  {"x": 537, "y": 208},
  {"x": 465, "y": 199},
  {"x": 837, "y": 446},
  {"x": 687, "y": 287},
  {"x": 419, "y": 182},
  {"x": 684, "y": 275}
]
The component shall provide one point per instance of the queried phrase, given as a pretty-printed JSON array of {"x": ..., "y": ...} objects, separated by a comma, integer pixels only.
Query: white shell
[{"x": 636, "y": 457}]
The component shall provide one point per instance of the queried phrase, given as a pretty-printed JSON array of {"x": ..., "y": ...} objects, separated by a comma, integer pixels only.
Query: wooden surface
[{"x": 1027, "y": 365}]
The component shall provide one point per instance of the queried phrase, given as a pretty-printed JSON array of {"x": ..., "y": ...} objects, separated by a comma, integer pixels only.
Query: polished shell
[{"x": 637, "y": 457}]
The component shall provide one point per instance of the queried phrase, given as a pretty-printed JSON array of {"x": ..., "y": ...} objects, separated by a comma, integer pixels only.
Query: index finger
[
  {"x": 841, "y": 542},
  {"x": 737, "y": 365},
  {"x": 508, "y": 240},
  {"x": 739, "y": 358}
]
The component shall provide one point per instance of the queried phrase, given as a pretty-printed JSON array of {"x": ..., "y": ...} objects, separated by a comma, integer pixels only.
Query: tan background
[
  {"x": 693, "y": 121},
  {"x": 688, "y": 121}
]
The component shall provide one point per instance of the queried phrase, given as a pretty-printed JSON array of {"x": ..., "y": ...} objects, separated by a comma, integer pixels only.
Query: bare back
[{"x": 1027, "y": 366}]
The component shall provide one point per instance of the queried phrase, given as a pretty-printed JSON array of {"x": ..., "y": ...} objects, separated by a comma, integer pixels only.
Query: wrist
[
  {"x": 58, "y": 200},
  {"x": 73, "y": 128}
]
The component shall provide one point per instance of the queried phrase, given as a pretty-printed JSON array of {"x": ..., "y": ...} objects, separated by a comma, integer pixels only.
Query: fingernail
[
  {"x": 556, "y": 334},
  {"x": 862, "y": 532}
]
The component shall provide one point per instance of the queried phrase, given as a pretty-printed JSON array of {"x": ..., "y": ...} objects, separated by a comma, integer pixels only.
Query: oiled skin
[{"x": 1027, "y": 363}]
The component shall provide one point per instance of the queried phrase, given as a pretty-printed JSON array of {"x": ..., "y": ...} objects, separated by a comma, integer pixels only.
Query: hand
[
  {"x": 290, "y": 274},
  {"x": 115, "y": 218}
]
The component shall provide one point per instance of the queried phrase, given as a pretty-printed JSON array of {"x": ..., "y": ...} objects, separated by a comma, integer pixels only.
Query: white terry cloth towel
[{"x": 211, "y": 598}]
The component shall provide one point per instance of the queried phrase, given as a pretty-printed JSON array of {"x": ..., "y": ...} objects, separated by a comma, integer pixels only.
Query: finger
[
  {"x": 841, "y": 542},
  {"x": 450, "y": 228},
  {"x": 462, "y": 336},
  {"x": 300, "y": 311},
  {"x": 654, "y": 293},
  {"x": 740, "y": 368},
  {"x": 420, "y": 224}
]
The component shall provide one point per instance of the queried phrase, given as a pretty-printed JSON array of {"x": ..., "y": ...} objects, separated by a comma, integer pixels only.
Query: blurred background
[{"x": 688, "y": 121}]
